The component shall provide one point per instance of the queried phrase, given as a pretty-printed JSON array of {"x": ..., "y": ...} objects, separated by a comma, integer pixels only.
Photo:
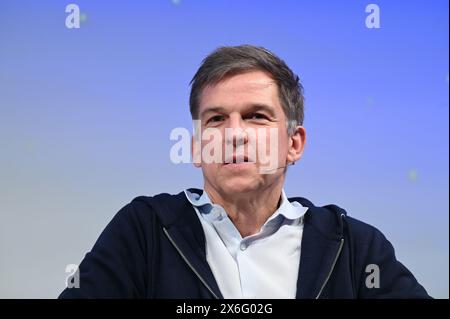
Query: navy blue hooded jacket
[{"x": 155, "y": 248}]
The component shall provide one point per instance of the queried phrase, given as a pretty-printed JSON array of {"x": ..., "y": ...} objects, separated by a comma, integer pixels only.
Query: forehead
[{"x": 241, "y": 89}]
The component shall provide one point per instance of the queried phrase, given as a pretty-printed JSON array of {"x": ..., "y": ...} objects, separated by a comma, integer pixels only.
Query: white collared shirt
[{"x": 263, "y": 265}]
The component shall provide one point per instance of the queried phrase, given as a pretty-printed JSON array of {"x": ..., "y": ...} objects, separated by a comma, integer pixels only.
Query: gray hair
[{"x": 231, "y": 60}]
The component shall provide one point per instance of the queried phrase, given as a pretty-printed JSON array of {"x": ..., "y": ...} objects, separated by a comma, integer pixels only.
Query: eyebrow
[{"x": 249, "y": 108}]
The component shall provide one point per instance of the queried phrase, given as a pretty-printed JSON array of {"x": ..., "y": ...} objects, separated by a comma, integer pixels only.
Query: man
[{"x": 241, "y": 237}]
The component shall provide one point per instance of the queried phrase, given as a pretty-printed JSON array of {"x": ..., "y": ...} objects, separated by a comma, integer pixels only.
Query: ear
[
  {"x": 296, "y": 144},
  {"x": 196, "y": 152}
]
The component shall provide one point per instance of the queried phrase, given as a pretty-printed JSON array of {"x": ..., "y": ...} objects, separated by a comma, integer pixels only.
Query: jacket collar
[{"x": 289, "y": 210}]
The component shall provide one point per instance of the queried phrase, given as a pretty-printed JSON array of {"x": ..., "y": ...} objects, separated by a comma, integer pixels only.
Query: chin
[{"x": 239, "y": 186}]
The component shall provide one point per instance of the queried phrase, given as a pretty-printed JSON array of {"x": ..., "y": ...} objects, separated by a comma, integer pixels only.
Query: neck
[{"x": 248, "y": 211}]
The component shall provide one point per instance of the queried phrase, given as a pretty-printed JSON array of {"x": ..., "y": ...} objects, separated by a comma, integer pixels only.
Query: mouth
[{"x": 238, "y": 160}]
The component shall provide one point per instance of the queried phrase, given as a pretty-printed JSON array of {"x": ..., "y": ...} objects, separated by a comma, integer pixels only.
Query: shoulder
[
  {"x": 364, "y": 233},
  {"x": 164, "y": 207},
  {"x": 329, "y": 218}
]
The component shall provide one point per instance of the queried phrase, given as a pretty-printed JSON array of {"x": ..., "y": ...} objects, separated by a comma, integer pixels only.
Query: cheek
[
  {"x": 283, "y": 144},
  {"x": 211, "y": 151},
  {"x": 273, "y": 141}
]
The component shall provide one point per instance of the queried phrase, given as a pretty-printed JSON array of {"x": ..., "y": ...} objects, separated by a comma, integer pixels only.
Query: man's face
[{"x": 246, "y": 110}]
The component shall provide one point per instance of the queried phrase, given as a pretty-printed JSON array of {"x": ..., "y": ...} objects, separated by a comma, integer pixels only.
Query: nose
[{"x": 236, "y": 134}]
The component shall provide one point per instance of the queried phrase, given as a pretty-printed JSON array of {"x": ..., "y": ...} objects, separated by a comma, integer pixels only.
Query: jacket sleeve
[
  {"x": 383, "y": 276},
  {"x": 115, "y": 267}
]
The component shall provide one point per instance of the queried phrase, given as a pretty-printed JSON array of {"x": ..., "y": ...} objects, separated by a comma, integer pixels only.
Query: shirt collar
[{"x": 288, "y": 210}]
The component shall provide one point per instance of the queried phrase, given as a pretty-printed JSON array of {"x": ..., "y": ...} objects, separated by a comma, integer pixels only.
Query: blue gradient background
[{"x": 86, "y": 115}]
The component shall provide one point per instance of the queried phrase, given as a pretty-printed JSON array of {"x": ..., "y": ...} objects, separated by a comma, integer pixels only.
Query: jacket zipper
[
  {"x": 212, "y": 292},
  {"x": 332, "y": 268},
  {"x": 188, "y": 263}
]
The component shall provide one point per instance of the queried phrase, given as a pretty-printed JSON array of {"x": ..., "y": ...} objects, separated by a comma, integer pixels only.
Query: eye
[
  {"x": 257, "y": 116},
  {"x": 215, "y": 119}
]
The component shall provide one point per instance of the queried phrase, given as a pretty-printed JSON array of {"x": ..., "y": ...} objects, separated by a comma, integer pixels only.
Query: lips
[{"x": 238, "y": 159}]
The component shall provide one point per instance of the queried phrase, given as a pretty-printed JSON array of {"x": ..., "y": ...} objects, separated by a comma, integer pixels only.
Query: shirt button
[
  {"x": 243, "y": 246},
  {"x": 217, "y": 214}
]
